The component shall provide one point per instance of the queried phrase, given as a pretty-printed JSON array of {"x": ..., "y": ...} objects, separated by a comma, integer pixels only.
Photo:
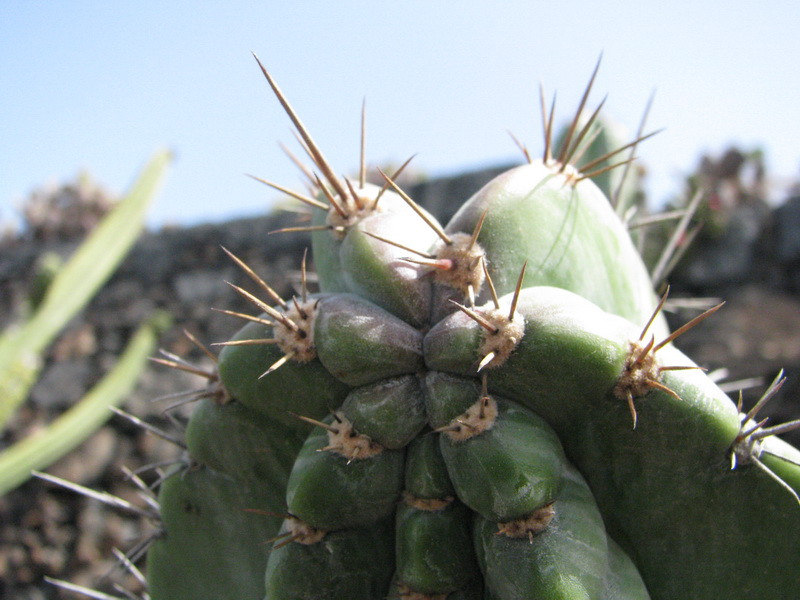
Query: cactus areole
[{"x": 487, "y": 409}]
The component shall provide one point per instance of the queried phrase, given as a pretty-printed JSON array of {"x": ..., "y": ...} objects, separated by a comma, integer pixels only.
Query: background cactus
[{"x": 490, "y": 409}]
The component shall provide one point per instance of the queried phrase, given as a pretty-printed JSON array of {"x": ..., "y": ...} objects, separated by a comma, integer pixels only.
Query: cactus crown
[{"x": 450, "y": 415}]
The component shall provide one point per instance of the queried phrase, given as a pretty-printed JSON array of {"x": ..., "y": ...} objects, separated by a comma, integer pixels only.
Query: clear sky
[{"x": 101, "y": 85}]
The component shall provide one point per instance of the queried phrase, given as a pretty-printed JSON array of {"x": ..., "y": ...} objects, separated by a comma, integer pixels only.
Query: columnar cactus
[{"x": 490, "y": 409}]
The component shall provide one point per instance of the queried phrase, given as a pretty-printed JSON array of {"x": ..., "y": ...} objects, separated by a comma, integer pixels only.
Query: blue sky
[{"x": 101, "y": 85}]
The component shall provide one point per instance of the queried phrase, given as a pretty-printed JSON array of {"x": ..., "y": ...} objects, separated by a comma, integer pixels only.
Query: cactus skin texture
[{"x": 491, "y": 409}]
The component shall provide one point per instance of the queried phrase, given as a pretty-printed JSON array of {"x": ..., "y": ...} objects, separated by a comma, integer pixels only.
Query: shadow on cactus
[{"x": 487, "y": 409}]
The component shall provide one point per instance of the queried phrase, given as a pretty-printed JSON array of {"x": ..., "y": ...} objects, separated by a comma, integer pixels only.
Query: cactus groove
[{"x": 488, "y": 409}]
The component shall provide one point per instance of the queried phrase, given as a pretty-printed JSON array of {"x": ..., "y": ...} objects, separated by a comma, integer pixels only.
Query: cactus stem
[
  {"x": 316, "y": 154},
  {"x": 296, "y": 195},
  {"x": 298, "y": 163},
  {"x": 641, "y": 373},
  {"x": 746, "y": 448},
  {"x": 521, "y": 147},
  {"x": 244, "y": 316},
  {"x": 416, "y": 208},
  {"x": 254, "y": 276},
  {"x": 401, "y": 246},
  {"x": 148, "y": 427},
  {"x": 567, "y": 149},
  {"x": 530, "y": 525},
  {"x": 386, "y": 183}
]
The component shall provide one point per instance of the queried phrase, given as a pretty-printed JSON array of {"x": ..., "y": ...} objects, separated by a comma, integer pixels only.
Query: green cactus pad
[
  {"x": 211, "y": 535},
  {"x": 240, "y": 442},
  {"x": 391, "y": 412},
  {"x": 509, "y": 470},
  {"x": 568, "y": 560},
  {"x": 330, "y": 491},
  {"x": 355, "y": 564},
  {"x": 495, "y": 410},
  {"x": 577, "y": 235},
  {"x": 572, "y": 355},
  {"x": 433, "y": 549},
  {"x": 303, "y": 388},
  {"x": 426, "y": 472},
  {"x": 360, "y": 343}
]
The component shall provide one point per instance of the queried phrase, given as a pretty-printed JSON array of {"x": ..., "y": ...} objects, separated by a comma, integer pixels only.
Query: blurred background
[{"x": 97, "y": 86}]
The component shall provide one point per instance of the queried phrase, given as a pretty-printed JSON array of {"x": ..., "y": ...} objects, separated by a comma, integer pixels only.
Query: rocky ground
[{"x": 753, "y": 263}]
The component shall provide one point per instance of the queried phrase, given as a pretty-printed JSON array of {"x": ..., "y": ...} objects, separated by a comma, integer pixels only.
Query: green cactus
[{"x": 491, "y": 409}]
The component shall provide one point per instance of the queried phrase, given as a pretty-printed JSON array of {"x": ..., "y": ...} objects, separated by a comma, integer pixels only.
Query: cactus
[{"x": 489, "y": 409}]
